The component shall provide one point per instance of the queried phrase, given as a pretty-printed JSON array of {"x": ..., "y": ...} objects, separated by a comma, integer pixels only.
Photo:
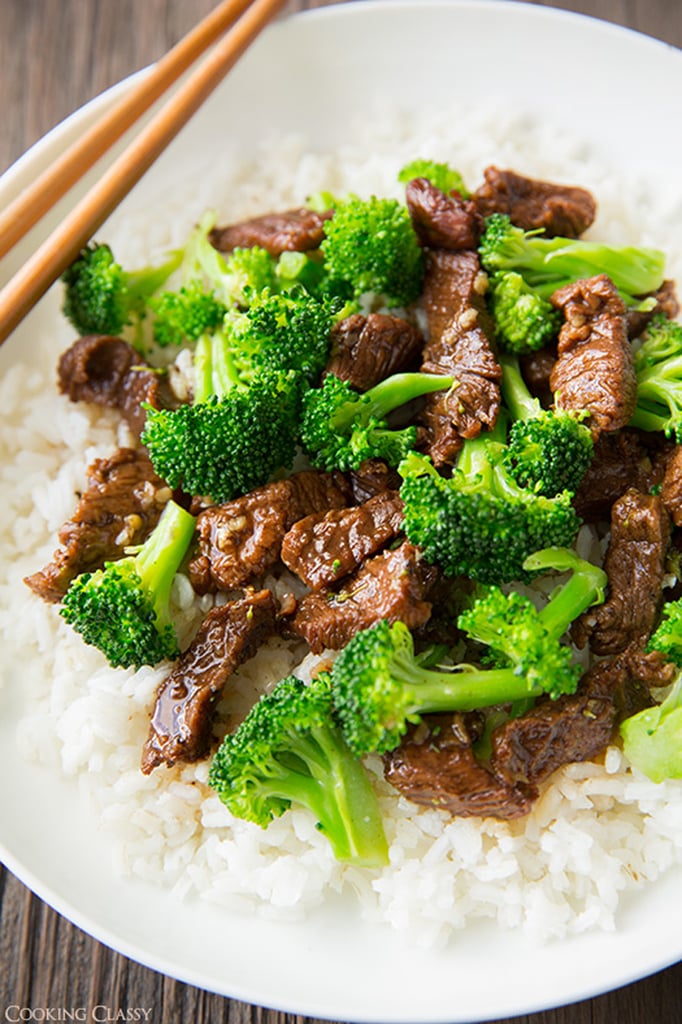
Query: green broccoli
[
  {"x": 124, "y": 608},
  {"x": 232, "y": 437},
  {"x": 340, "y": 427},
  {"x": 282, "y": 332},
  {"x": 235, "y": 277},
  {"x": 548, "y": 450},
  {"x": 549, "y": 263},
  {"x": 289, "y": 750},
  {"x": 658, "y": 367},
  {"x": 371, "y": 245},
  {"x": 652, "y": 738},
  {"x": 441, "y": 175},
  {"x": 296, "y": 270},
  {"x": 379, "y": 686},
  {"x": 100, "y": 297},
  {"x": 480, "y": 523},
  {"x": 186, "y": 314},
  {"x": 667, "y": 638},
  {"x": 523, "y": 320}
]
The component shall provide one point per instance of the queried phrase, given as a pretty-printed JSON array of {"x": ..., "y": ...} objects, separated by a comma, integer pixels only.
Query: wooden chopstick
[
  {"x": 34, "y": 201},
  {"x": 60, "y": 249}
]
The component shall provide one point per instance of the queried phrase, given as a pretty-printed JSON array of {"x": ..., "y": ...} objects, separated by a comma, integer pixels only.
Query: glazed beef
[
  {"x": 241, "y": 540},
  {"x": 573, "y": 728},
  {"x": 182, "y": 721},
  {"x": 442, "y": 221},
  {"x": 594, "y": 370},
  {"x": 120, "y": 507},
  {"x": 671, "y": 486},
  {"x": 393, "y": 585},
  {"x": 109, "y": 372},
  {"x": 536, "y": 368},
  {"x": 367, "y": 349},
  {"x": 435, "y": 765},
  {"x": 373, "y": 476},
  {"x": 296, "y": 230},
  {"x": 635, "y": 566},
  {"x": 459, "y": 345},
  {"x": 325, "y": 547},
  {"x": 530, "y": 203},
  {"x": 620, "y": 461}
]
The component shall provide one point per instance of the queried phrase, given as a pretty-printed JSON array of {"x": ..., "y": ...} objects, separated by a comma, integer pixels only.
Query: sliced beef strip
[
  {"x": 367, "y": 349},
  {"x": 435, "y": 765},
  {"x": 442, "y": 220},
  {"x": 666, "y": 303},
  {"x": 459, "y": 345},
  {"x": 241, "y": 540},
  {"x": 621, "y": 460},
  {"x": 120, "y": 507},
  {"x": 325, "y": 547},
  {"x": 649, "y": 668},
  {"x": 536, "y": 368},
  {"x": 594, "y": 370},
  {"x": 182, "y": 720},
  {"x": 635, "y": 566},
  {"x": 531, "y": 203},
  {"x": 373, "y": 476},
  {"x": 109, "y": 372},
  {"x": 297, "y": 230},
  {"x": 393, "y": 585},
  {"x": 576, "y": 727},
  {"x": 671, "y": 485}
]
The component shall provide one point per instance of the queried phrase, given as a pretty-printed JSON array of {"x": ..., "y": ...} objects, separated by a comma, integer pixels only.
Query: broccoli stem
[
  {"x": 580, "y": 592},
  {"x": 320, "y": 773},
  {"x": 477, "y": 460},
  {"x": 388, "y": 395},
  {"x": 162, "y": 553},
  {"x": 659, "y": 396},
  {"x": 141, "y": 284},
  {"x": 214, "y": 369},
  {"x": 466, "y": 689},
  {"x": 518, "y": 399}
]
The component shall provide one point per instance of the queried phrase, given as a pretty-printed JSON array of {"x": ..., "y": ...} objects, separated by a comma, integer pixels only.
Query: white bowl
[{"x": 314, "y": 75}]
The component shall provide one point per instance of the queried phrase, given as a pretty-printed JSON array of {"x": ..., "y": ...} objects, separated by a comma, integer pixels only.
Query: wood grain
[{"x": 54, "y": 56}]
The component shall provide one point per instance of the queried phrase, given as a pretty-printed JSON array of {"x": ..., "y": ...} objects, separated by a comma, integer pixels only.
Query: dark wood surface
[{"x": 55, "y": 55}]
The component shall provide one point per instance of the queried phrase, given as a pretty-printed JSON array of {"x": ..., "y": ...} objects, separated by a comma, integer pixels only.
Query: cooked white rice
[{"x": 598, "y": 829}]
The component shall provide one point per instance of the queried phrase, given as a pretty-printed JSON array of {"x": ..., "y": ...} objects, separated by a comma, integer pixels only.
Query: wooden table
[{"x": 55, "y": 55}]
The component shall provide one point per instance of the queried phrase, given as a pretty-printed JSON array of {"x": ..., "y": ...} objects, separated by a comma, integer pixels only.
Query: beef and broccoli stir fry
[{"x": 436, "y": 442}]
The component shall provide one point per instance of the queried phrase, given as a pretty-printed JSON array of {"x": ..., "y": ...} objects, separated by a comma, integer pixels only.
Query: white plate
[{"x": 310, "y": 74}]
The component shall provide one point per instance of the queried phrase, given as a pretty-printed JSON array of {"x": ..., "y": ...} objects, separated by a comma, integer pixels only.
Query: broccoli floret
[
  {"x": 232, "y": 437},
  {"x": 371, "y": 245},
  {"x": 549, "y": 263},
  {"x": 548, "y": 450},
  {"x": 341, "y": 427},
  {"x": 652, "y": 739},
  {"x": 524, "y": 321},
  {"x": 186, "y": 314},
  {"x": 658, "y": 367},
  {"x": 480, "y": 523},
  {"x": 379, "y": 685},
  {"x": 236, "y": 277},
  {"x": 289, "y": 750},
  {"x": 100, "y": 297},
  {"x": 667, "y": 638},
  {"x": 282, "y": 332},
  {"x": 441, "y": 175},
  {"x": 124, "y": 608}
]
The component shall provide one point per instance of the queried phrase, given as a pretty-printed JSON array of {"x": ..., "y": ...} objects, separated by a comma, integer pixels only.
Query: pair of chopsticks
[{"x": 244, "y": 19}]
